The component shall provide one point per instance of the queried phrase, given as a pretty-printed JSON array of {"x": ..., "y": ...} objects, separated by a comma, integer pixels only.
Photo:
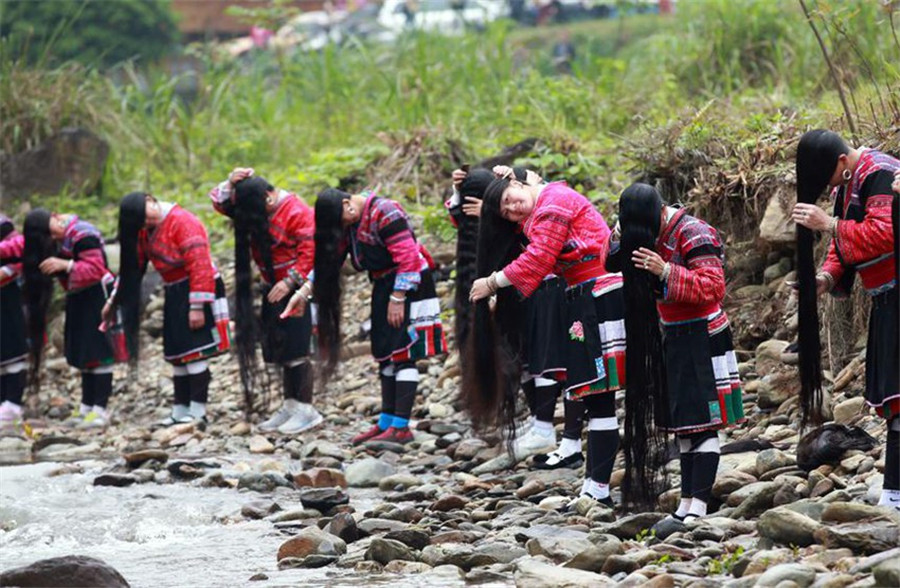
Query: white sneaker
[
  {"x": 534, "y": 441},
  {"x": 304, "y": 419},
  {"x": 93, "y": 420},
  {"x": 283, "y": 415}
]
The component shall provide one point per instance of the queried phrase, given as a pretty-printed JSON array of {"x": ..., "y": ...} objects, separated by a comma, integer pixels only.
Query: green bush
[{"x": 92, "y": 32}]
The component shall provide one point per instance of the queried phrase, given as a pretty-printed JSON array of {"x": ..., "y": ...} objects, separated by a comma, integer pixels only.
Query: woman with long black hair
[
  {"x": 569, "y": 238},
  {"x": 277, "y": 228},
  {"x": 14, "y": 338},
  {"x": 195, "y": 313},
  {"x": 71, "y": 250},
  {"x": 682, "y": 378},
  {"x": 543, "y": 368},
  {"x": 406, "y": 314},
  {"x": 863, "y": 241}
]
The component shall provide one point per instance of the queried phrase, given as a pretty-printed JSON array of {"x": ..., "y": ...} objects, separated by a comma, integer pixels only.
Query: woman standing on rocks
[
  {"x": 13, "y": 339},
  {"x": 863, "y": 241},
  {"x": 72, "y": 250},
  {"x": 277, "y": 227},
  {"x": 569, "y": 238},
  {"x": 543, "y": 369},
  {"x": 684, "y": 375},
  {"x": 406, "y": 314},
  {"x": 195, "y": 314}
]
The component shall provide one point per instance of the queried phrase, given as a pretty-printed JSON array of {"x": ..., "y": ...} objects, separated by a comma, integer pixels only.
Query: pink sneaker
[{"x": 10, "y": 414}]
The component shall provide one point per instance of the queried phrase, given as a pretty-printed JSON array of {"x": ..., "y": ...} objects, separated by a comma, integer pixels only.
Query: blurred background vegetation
[{"x": 708, "y": 98}]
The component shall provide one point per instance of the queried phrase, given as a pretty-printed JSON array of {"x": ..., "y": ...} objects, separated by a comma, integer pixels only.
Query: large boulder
[
  {"x": 73, "y": 159},
  {"x": 776, "y": 227},
  {"x": 65, "y": 572}
]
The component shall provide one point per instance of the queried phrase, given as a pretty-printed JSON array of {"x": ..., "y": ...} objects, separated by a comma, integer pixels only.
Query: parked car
[{"x": 445, "y": 16}]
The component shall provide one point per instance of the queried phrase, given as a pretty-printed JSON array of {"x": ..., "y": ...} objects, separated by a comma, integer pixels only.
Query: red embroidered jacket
[
  {"x": 864, "y": 240},
  {"x": 695, "y": 287},
  {"x": 11, "y": 248},
  {"x": 83, "y": 244},
  {"x": 566, "y": 236},
  {"x": 383, "y": 242},
  {"x": 292, "y": 228},
  {"x": 179, "y": 249}
]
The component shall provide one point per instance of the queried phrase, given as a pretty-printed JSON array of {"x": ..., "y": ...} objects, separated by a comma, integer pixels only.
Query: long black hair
[
  {"x": 817, "y": 158},
  {"x": 640, "y": 214},
  {"x": 6, "y": 227},
  {"x": 132, "y": 218},
  {"x": 474, "y": 185},
  {"x": 251, "y": 228},
  {"x": 327, "y": 286},
  {"x": 493, "y": 351},
  {"x": 39, "y": 245}
]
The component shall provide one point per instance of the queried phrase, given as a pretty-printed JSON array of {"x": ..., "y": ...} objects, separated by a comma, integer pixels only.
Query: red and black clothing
[
  {"x": 864, "y": 244},
  {"x": 701, "y": 367},
  {"x": 179, "y": 249},
  {"x": 568, "y": 237},
  {"x": 88, "y": 286},
  {"x": 13, "y": 335},
  {"x": 13, "y": 344},
  {"x": 291, "y": 228},
  {"x": 383, "y": 244}
]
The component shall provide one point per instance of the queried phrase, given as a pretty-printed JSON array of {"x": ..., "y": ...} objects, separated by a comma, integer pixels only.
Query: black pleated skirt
[
  {"x": 545, "y": 338},
  {"x": 86, "y": 346},
  {"x": 13, "y": 335},
  {"x": 181, "y": 344},
  {"x": 883, "y": 355},
  {"x": 701, "y": 373},
  {"x": 420, "y": 335},
  {"x": 285, "y": 340}
]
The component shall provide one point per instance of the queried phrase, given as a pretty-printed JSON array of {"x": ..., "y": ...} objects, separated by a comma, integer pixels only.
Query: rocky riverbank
[{"x": 452, "y": 508}]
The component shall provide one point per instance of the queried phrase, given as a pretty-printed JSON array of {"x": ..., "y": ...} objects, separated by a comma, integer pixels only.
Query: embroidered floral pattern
[{"x": 576, "y": 331}]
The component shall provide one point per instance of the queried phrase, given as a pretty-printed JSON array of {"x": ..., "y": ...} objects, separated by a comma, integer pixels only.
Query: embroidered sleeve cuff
[
  {"x": 296, "y": 280},
  {"x": 407, "y": 281},
  {"x": 201, "y": 298}
]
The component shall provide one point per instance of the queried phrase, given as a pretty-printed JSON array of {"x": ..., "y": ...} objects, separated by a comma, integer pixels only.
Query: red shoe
[
  {"x": 368, "y": 435},
  {"x": 395, "y": 435}
]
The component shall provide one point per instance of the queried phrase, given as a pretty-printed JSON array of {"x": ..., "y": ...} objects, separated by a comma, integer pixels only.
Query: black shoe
[
  {"x": 553, "y": 461},
  {"x": 606, "y": 502}
]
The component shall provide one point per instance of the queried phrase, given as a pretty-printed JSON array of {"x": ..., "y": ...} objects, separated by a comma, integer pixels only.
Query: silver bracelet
[
  {"x": 398, "y": 299},
  {"x": 492, "y": 284},
  {"x": 667, "y": 269}
]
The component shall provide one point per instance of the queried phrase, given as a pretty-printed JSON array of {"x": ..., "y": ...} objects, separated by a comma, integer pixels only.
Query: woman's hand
[
  {"x": 472, "y": 206},
  {"x": 238, "y": 174},
  {"x": 296, "y": 306},
  {"x": 196, "y": 318},
  {"x": 278, "y": 291},
  {"x": 396, "y": 309},
  {"x": 504, "y": 171},
  {"x": 458, "y": 176},
  {"x": 648, "y": 260},
  {"x": 108, "y": 315},
  {"x": 896, "y": 184},
  {"x": 811, "y": 217},
  {"x": 481, "y": 289},
  {"x": 53, "y": 265}
]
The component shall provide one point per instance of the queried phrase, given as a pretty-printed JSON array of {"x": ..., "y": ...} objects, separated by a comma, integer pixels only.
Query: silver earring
[{"x": 846, "y": 174}]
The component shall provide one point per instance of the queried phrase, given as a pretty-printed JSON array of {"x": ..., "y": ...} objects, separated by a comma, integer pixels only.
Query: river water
[{"x": 160, "y": 535}]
